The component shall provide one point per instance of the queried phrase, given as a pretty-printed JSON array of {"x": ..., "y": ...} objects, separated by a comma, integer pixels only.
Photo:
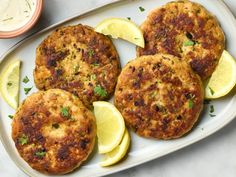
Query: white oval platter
[{"x": 142, "y": 150}]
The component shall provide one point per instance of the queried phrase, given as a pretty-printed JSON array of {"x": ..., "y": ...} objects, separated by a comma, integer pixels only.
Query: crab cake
[
  {"x": 53, "y": 131},
  {"x": 159, "y": 96},
  {"x": 79, "y": 60},
  {"x": 184, "y": 29}
]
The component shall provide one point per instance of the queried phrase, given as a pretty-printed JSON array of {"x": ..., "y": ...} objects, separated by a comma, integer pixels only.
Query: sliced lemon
[
  {"x": 118, "y": 153},
  {"x": 110, "y": 126},
  {"x": 9, "y": 83},
  {"x": 121, "y": 28},
  {"x": 223, "y": 78}
]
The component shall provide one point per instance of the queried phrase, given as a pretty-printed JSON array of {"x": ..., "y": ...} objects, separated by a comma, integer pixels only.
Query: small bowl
[{"x": 27, "y": 26}]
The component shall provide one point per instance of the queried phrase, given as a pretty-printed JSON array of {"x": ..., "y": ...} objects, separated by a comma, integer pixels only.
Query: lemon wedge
[
  {"x": 121, "y": 28},
  {"x": 118, "y": 153},
  {"x": 9, "y": 83},
  {"x": 223, "y": 78},
  {"x": 110, "y": 126}
]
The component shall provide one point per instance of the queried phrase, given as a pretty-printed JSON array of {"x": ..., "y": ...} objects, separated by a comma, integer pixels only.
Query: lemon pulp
[
  {"x": 223, "y": 78},
  {"x": 121, "y": 28},
  {"x": 9, "y": 83},
  {"x": 110, "y": 126}
]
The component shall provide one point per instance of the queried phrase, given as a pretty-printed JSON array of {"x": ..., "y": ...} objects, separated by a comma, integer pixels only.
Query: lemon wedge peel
[{"x": 118, "y": 153}]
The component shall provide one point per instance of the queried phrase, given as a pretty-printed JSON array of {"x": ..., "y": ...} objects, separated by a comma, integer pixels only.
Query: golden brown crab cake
[
  {"x": 159, "y": 96},
  {"x": 53, "y": 131},
  {"x": 79, "y": 60},
  {"x": 184, "y": 29}
]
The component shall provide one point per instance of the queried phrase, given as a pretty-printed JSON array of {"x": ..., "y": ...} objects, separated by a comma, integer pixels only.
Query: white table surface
[{"x": 213, "y": 156}]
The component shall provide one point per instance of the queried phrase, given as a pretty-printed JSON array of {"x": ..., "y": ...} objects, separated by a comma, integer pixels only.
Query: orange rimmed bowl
[{"x": 27, "y": 26}]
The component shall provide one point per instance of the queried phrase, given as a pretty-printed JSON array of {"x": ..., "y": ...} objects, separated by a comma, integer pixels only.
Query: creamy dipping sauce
[{"x": 15, "y": 13}]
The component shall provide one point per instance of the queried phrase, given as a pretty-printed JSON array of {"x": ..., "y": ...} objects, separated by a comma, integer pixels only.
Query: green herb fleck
[
  {"x": 212, "y": 109},
  {"x": 189, "y": 43},
  {"x": 9, "y": 84},
  {"x": 206, "y": 102},
  {"x": 7, "y": 19},
  {"x": 10, "y": 116},
  {"x": 212, "y": 91},
  {"x": 95, "y": 64},
  {"x": 103, "y": 74},
  {"x": 23, "y": 139},
  {"x": 158, "y": 82},
  {"x": 27, "y": 2},
  {"x": 72, "y": 118},
  {"x": 26, "y": 80},
  {"x": 161, "y": 108},
  {"x": 56, "y": 126},
  {"x": 136, "y": 38},
  {"x": 190, "y": 104},
  {"x": 27, "y": 90},
  {"x": 90, "y": 52},
  {"x": 100, "y": 91},
  {"x": 65, "y": 112},
  {"x": 141, "y": 9},
  {"x": 40, "y": 153},
  {"x": 93, "y": 77},
  {"x": 153, "y": 94},
  {"x": 212, "y": 115},
  {"x": 128, "y": 18}
]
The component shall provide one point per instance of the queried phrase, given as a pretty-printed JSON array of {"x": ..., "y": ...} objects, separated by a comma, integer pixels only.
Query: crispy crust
[
  {"x": 65, "y": 142},
  {"x": 167, "y": 29},
  {"x": 159, "y": 96},
  {"x": 77, "y": 59}
]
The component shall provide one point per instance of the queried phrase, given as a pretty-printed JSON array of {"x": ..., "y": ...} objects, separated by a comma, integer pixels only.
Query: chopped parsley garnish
[
  {"x": 190, "y": 103},
  {"x": 56, "y": 126},
  {"x": 189, "y": 43},
  {"x": 65, "y": 112},
  {"x": 103, "y": 73},
  {"x": 10, "y": 116},
  {"x": 40, "y": 153},
  {"x": 206, "y": 102},
  {"x": 23, "y": 139},
  {"x": 212, "y": 91},
  {"x": 100, "y": 91},
  {"x": 9, "y": 84},
  {"x": 95, "y": 64},
  {"x": 212, "y": 109},
  {"x": 93, "y": 77},
  {"x": 212, "y": 115},
  {"x": 153, "y": 94},
  {"x": 158, "y": 82},
  {"x": 27, "y": 2},
  {"x": 26, "y": 80},
  {"x": 10, "y": 18},
  {"x": 190, "y": 100},
  {"x": 27, "y": 90},
  {"x": 141, "y": 9},
  {"x": 128, "y": 18},
  {"x": 136, "y": 38},
  {"x": 90, "y": 52}
]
